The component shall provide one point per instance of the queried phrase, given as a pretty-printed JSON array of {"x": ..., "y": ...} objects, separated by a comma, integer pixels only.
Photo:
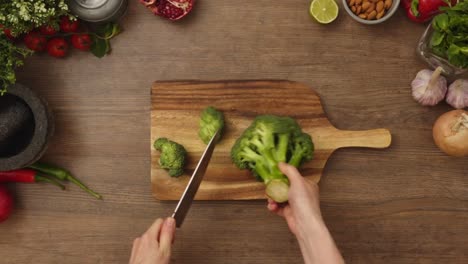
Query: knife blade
[{"x": 186, "y": 200}]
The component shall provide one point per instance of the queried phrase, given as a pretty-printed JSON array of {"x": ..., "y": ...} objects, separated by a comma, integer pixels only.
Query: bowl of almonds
[{"x": 371, "y": 11}]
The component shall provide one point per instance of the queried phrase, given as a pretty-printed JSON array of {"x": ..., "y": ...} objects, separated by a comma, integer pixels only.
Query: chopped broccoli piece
[
  {"x": 268, "y": 141},
  {"x": 172, "y": 156},
  {"x": 211, "y": 121}
]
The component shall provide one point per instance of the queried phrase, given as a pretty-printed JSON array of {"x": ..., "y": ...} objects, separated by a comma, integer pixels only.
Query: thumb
[{"x": 291, "y": 172}]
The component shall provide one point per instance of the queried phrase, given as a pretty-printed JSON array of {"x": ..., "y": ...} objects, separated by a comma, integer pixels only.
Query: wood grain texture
[
  {"x": 175, "y": 114},
  {"x": 406, "y": 204}
]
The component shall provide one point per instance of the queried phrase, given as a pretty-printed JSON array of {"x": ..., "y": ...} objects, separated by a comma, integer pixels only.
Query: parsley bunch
[
  {"x": 450, "y": 37},
  {"x": 21, "y": 16},
  {"x": 10, "y": 57}
]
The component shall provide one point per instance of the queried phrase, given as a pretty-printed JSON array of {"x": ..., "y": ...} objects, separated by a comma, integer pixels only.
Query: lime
[{"x": 324, "y": 11}]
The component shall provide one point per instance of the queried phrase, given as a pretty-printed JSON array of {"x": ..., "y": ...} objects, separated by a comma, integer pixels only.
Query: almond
[
  {"x": 379, "y": 7},
  {"x": 388, "y": 4},
  {"x": 352, "y": 2},
  {"x": 365, "y": 6},
  {"x": 353, "y": 8},
  {"x": 372, "y": 15},
  {"x": 358, "y": 2},
  {"x": 363, "y": 16},
  {"x": 358, "y": 10},
  {"x": 380, "y": 15},
  {"x": 371, "y": 8}
]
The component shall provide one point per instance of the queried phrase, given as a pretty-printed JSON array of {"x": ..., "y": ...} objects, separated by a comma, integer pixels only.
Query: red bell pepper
[{"x": 421, "y": 11}]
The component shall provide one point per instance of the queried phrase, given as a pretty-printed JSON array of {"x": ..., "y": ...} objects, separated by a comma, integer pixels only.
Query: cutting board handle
[{"x": 375, "y": 138}]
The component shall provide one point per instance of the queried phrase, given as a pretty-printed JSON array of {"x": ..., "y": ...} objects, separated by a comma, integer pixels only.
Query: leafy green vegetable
[
  {"x": 21, "y": 16},
  {"x": 101, "y": 39},
  {"x": 450, "y": 37},
  {"x": 10, "y": 58}
]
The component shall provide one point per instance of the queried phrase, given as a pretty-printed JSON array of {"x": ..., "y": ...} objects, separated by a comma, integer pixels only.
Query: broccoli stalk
[
  {"x": 268, "y": 141},
  {"x": 172, "y": 156}
]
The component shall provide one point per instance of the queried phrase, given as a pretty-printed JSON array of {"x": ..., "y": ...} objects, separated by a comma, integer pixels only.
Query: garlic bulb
[
  {"x": 429, "y": 87},
  {"x": 457, "y": 95}
]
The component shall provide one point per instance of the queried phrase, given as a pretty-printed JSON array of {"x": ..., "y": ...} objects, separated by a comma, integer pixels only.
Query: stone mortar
[{"x": 26, "y": 126}]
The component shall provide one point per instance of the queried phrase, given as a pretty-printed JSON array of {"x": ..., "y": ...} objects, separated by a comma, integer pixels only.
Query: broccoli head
[
  {"x": 172, "y": 156},
  {"x": 268, "y": 141},
  {"x": 211, "y": 121}
]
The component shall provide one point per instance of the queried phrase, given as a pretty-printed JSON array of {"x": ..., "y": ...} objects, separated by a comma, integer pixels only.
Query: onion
[{"x": 450, "y": 133}]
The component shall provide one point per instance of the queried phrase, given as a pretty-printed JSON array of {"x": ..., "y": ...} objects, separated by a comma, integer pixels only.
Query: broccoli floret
[
  {"x": 172, "y": 156},
  {"x": 268, "y": 141},
  {"x": 211, "y": 121},
  {"x": 302, "y": 149}
]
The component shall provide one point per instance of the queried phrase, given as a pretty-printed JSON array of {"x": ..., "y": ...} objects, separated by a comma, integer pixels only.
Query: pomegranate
[{"x": 171, "y": 9}]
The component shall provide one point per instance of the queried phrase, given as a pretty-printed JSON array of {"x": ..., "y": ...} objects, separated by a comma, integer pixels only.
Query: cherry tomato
[
  {"x": 48, "y": 30},
  {"x": 7, "y": 32},
  {"x": 81, "y": 41},
  {"x": 35, "y": 41},
  {"x": 57, "y": 47},
  {"x": 68, "y": 26}
]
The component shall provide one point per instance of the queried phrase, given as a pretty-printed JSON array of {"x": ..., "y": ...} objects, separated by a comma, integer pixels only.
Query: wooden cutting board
[{"x": 175, "y": 111}]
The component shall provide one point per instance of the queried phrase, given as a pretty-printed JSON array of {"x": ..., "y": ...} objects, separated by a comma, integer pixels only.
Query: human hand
[
  {"x": 305, "y": 219},
  {"x": 154, "y": 246},
  {"x": 302, "y": 212}
]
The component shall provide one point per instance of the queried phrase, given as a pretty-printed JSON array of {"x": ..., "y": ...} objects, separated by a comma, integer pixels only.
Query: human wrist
[
  {"x": 317, "y": 245},
  {"x": 310, "y": 230}
]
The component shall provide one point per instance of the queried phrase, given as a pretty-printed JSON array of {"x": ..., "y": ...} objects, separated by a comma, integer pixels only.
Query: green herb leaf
[
  {"x": 437, "y": 38},
  {"x": 108, "y": 30},
  {"x": 11, "y": 57},
  {"x": 101, "y": 39},
  {"x": 455, "y": 56},
  {"x": 450, "y": 37},
  {"x": 439, "y": 51},
  {"x": 464, "y": 50},
  {"x": 441, "y": 22},
  {"x": 100, "y": 47}
]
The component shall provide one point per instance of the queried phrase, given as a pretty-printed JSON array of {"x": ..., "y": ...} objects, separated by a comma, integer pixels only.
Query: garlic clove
[
  {"x": 429, "y": 87},
  {"x": 457, "y": 95}
]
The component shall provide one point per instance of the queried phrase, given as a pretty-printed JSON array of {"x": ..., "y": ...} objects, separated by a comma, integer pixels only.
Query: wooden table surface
[{"x": 405, "y": 204}]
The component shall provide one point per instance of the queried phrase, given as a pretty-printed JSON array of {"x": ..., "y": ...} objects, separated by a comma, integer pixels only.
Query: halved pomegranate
[{"x": 171, "y": 9}]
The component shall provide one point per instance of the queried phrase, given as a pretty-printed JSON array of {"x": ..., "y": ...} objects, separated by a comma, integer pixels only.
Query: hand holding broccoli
[
  {"x": 302, "y": 213},
  {"x": 303, "y": 209},
  {"x": 268, "y": 141}
]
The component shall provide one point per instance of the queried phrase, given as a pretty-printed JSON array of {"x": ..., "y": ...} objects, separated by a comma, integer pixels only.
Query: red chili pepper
[{"x": 26, "y": 176}]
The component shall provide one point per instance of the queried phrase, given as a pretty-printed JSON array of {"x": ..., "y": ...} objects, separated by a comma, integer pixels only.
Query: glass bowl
[{"x": 425, "y": 51}]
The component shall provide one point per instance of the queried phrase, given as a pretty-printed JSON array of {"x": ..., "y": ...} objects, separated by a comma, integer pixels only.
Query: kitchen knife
[{"x": 187, "y": 197}]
